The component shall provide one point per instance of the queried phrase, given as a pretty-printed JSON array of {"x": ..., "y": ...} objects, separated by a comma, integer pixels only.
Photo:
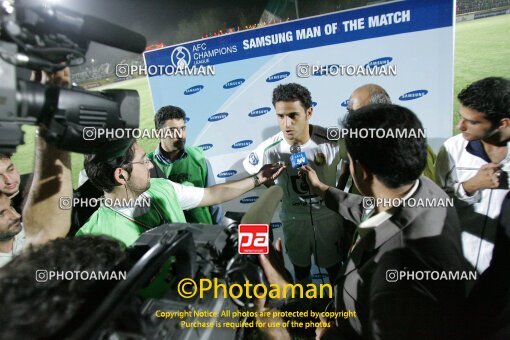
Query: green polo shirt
[{"x": 163, "y": 204}]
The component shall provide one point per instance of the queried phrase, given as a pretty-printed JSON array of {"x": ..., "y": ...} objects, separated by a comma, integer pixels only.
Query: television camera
[
  {"x": 41, "y": 37},
  {"x": 163, "y": 256}
]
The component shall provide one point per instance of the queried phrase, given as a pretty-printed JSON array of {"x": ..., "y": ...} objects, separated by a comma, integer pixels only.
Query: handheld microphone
[{"x": 297, "y": 157}]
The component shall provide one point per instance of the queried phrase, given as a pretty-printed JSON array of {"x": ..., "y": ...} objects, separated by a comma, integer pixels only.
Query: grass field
[{"x": 481, "y": 50}]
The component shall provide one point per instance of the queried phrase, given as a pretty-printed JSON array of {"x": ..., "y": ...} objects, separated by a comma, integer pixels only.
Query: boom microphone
[{"x": 262, "y": 211}]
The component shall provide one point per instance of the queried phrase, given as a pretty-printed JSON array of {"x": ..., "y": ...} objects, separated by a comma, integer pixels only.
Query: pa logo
[{"x": 180, "y": 57}]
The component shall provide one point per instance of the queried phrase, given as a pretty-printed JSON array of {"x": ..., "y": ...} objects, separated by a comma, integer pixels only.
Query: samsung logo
[
  {"x": 241, "y": 144},
  {"x": 345, "y": 103},
  {"x": 276, "y": 225},
  {"x": 319, "y": 276},
  {"x": 314, "y": 104},
  {"x": 250, "y": 199},
  {"x": 277, "y": 77},
  {"x": 259, "y": 112},
  {"x": 379, "y": 62},
  {"x": 205, "y": 147},
  {"x": 218, "y": 116},
  {"x": 227, "y": 173},
  {"x": 193, "y": 90},
  {"x": 186, "y": 119},
  {"x": 233, "y": 83},
  {"x": 413, "y": 95}
]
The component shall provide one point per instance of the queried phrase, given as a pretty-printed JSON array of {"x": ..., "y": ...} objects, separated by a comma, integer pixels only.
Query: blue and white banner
[{"x": 228, "y": 101}]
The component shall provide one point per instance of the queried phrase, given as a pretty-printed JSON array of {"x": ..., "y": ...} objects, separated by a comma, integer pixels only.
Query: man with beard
[
  {"x": 473, "y": 166},
  {"x": 183, "y": 164},
  {"x": 12, "y": 235}
]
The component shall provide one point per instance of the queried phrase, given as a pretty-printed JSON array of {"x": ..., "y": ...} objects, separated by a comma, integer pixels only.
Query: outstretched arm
[
  {"x": 43, "y": 219},
  {"x": 225, "y": 192}
]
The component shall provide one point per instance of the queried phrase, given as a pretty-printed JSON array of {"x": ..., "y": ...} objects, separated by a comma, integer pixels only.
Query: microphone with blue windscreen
[{"x": 297, "y": 157}]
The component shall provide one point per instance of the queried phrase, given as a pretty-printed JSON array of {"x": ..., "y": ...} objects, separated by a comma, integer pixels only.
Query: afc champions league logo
[{"x": 180, "y": 58}]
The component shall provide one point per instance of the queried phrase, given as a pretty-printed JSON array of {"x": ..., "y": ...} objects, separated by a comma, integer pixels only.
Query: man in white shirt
[
  {"x": 474, "y": 166},
  {"x": 309, "y": 227}
]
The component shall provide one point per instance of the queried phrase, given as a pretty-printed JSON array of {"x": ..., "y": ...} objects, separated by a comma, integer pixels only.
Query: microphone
[
  {"x": 262, "y": 211},
  {"x": 297, "y": 157}
]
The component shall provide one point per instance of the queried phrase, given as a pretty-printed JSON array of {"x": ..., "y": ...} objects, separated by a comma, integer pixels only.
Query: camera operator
[
  {"x": 392, "y": 238},
  {"x": 126, "y": 179},
  {"x": 43, "y": 220}
]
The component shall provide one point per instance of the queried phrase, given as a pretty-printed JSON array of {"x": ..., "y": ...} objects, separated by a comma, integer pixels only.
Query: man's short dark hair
[
  {"x": 490, "y": 96},
  {"x": 5, "y": 156},
  {"x": 168, "y": 112},
  {"x": 292, "y": 92},
  {"x": 395, "y": 161},
  {"x": 37, "y": 310},
  {"x": 100, "y": 170}
]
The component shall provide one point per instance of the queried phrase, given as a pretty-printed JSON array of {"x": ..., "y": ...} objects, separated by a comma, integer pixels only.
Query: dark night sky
[
  {"x": 167, "y": 21},
  {"x": 177, "y": 21}
]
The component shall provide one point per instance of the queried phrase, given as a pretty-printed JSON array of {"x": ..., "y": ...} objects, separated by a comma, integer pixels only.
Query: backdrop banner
[{"x": 405, "y": 46}]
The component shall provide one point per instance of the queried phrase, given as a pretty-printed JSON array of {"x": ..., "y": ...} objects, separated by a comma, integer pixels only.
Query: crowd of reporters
[{"x": 33, "y": 226}]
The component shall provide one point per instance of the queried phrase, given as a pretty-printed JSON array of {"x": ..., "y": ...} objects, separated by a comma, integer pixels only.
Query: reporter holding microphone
[{"x": 473, "y": 166}]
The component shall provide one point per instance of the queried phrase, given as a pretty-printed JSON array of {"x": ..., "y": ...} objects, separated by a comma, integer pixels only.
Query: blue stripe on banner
[{"x": 365, "y": 23}]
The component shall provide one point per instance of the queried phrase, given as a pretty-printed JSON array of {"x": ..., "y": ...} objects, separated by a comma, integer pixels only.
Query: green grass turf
[{"x": 481, "y": 50}]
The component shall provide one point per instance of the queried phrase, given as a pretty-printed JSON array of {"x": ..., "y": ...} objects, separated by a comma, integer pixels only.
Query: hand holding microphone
[
  {"x": 487, "y": 177},
  {"x": 316, "y": 186},
  {"x": 269, "y": 172}
]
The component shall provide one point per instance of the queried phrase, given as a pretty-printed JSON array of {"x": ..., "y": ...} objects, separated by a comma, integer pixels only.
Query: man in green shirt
[
  {"x": 183, "y": 164},
  {"x": 146, "y": 203}
]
